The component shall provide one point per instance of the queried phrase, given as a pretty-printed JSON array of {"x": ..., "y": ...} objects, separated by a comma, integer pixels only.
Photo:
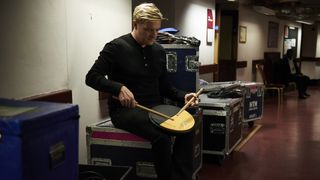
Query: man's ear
[{"x": 134, "y": 25}]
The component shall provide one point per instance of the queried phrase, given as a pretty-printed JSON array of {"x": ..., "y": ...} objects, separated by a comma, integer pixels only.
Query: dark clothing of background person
[
  {"x": 143, "y": 71},
  {"x": 293, "y": 73}
]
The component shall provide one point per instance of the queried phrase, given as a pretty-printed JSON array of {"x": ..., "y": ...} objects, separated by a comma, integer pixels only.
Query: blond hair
[{"x": 147, "y": 12}]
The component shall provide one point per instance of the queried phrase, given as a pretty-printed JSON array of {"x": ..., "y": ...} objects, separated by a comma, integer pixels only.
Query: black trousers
[
  {"x": 173, "y": 160},
  {"x": 302, "y": 82}
]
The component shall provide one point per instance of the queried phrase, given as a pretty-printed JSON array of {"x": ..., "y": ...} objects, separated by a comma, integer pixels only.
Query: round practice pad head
[{"x": 177, "y": 124}]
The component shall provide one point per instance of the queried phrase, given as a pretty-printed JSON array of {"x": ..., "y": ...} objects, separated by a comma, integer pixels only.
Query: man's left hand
[{"x": 195, "y": 101}]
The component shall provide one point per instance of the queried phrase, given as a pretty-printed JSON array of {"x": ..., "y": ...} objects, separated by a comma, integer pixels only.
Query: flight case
[
  {"x": 182, "y": 62},
  {"x": 110, "y": 146},
  {"x": 100, "y": 172},
  {"x": 253, "y": 101},
  {"x": 222, "y": 124},
  {"x": 38, "y": 140},
  {"x": 253, "y": 97},
  {"x": 107, "y": 145}
]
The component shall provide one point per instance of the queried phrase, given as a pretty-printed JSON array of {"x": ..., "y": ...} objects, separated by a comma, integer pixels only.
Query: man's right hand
[{"x": 126, "y": 98}]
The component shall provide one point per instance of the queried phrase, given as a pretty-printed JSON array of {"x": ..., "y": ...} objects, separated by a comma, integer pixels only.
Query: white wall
[
  {"x": 91, "y": 24},
  {"x": 33, "y": 47},
  {"x": 191, "y": 20},
  {"x": 318, "y": 41},
  {"x": 311, "y": 68},
  {"x": 50, "y": 45},
  {"x": 257, "y": 34}
]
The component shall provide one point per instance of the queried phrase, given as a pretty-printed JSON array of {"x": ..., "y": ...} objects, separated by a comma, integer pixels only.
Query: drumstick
[
  {"x": 190, "y": 101},
  {"x": 150, "y": 110},
  {"x": 153, "y": 111}
]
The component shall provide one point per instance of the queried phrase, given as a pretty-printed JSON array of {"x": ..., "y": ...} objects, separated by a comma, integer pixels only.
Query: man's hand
[
  {"x": 188, "y": 96},
  {"x": 126, "y": 98}
]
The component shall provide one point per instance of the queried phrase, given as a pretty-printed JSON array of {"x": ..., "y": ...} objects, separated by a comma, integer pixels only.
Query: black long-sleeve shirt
[{"x": 141, "y": 70}]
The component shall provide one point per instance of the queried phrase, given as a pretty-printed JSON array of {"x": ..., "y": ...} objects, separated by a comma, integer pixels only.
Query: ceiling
[
  {"x": 302, "y": 10},
  {"x": 292, "y": 10}
]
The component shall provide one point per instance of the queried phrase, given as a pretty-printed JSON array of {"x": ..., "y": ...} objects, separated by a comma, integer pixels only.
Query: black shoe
[
  {"x": 302, "y": 97},
  {"x": 306, "y": 94}
]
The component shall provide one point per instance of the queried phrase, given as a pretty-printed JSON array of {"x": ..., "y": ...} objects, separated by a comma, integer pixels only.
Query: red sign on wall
[
  {"x": 209, "y": 19},
  {"x": 210, "y": 25}
]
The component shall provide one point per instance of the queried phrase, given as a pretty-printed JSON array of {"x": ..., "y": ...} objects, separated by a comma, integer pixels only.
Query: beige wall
[
  {"x": 91, "y": 24},
  {"x": 33, "y": 47},
  {"x": 50, "y": 45},
  {"x": 257, "y": 34},
  {"x": 191, "y": 20},
  {"x": 318, "y": 41}
]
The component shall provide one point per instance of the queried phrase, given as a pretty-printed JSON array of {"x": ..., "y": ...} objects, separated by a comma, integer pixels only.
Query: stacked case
[
  {"x": 222, "y": 124},
  {"x": 253, "y": 97},
  {"x": 183, "y": 66},
  {"x": 100, "y": 172},
  {"x": 253, "y": 101},
  {"x": 107, "y": 145}
]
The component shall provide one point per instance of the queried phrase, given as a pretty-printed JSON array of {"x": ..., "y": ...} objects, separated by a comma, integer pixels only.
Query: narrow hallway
[{"x": 286, "y": 147}]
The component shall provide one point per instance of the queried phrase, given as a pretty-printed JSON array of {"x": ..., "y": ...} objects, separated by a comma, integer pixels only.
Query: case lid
[
  {"x": 18, "y": 117},
  {"x": 205, "y": 101},
  {"x": 178, "y": 46},
  {"x": 248, "y": 83}
]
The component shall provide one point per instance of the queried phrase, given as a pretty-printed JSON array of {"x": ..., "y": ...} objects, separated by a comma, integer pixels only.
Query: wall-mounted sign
[
  {"x": 243, "y": 34},
  {"x": 210, "y": 25}
]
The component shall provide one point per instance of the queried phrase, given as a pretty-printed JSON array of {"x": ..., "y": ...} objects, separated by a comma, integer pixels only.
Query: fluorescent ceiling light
[
  {"x": 304, "y": 22},
  {"x": 264, "y": 10}
]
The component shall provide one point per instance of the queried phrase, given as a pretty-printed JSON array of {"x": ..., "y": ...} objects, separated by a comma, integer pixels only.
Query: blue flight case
[
  {"x": 38, "y": 140},
  {"x": 183, "y": 66},
  {"x": 253, "y": 101},
  {"x": 253, "y": 96}
]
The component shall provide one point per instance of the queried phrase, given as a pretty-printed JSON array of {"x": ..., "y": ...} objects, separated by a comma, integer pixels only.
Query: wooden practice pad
[{"x": 181, "y": 123}]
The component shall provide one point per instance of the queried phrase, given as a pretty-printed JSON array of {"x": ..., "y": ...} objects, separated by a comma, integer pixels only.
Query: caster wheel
[
  {"x": 220, "y": 160},
  {"x": 250, "y": 123}
]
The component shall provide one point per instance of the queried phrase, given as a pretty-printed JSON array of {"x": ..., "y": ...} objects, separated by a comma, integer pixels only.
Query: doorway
[
  {"x": 228, "y": 46},
  {"x": 290, "y": 39}
]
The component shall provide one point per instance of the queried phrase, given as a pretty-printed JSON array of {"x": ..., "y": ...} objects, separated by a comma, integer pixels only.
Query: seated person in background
[{"x": 293, "y": 73}]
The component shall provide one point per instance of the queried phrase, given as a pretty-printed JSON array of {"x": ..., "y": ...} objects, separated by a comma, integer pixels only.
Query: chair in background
[{"x": 269, "y": 86}]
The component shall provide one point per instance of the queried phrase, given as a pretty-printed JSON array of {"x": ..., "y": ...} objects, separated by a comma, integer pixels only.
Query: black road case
[
  {"x": 222, "y": 124},
  {"x": 99, "y": 172},
  {"x": 253, "y": 97},
  {"x": 107, "y": 145}
]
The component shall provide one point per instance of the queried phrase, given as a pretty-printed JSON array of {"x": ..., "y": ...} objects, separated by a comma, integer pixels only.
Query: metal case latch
[
  {"x": 172, "y": 61},
  {"x": 192, "y": 63}
]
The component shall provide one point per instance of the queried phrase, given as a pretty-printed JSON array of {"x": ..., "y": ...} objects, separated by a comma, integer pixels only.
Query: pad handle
[{"x": 190, "y": 101}]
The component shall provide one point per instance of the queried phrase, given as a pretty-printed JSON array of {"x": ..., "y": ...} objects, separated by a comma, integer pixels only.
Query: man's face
[{"x": 147, "y": 32}]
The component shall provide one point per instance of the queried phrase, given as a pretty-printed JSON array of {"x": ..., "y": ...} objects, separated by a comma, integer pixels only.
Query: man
[
  {"x": 294, "y": 74},
  {"x": 136, "y": 73}
]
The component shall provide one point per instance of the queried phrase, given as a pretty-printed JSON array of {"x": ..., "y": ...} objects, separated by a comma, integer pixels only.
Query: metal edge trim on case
[
  {"x": 146, "y": 145},
  {"x": 214, "y": 112},
  {"x": 179, "y": 46},
  {"x": 214, "y": 152},
  {"x": 234, "y": 146}
]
